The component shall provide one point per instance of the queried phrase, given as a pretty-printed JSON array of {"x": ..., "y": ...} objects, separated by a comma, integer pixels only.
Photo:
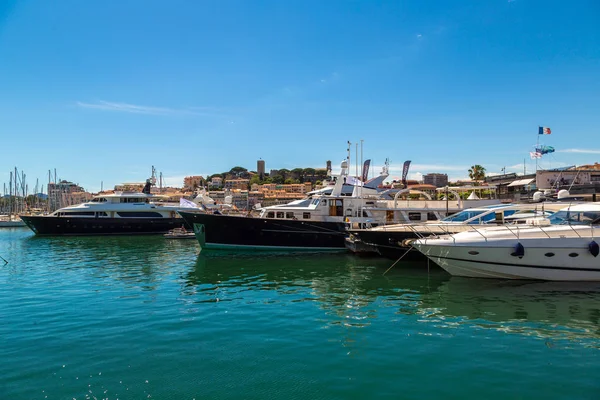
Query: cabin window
[
  {"x": 101, "y": 214},
  {"x": 488, "y": 218},
  {"x": 414, "y": 216},
  {"x": 270, "y": 214},
  {"x": 389, "y": 215},
  {"x": 336, "y": 208},
  {"x": 139, "y": 214},
  {"x": 289, "y": 215},
  {"x": 364, "y": 213},
  {"x": 431, "y": 216},
  {"x": 78, "y": 213},
  {"x": 306, "y": 215},
  {"x": 279, "y": 214}
]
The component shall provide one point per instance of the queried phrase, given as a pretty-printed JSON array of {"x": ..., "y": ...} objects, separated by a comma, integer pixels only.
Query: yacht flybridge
[{"x": 109, "y": 214}]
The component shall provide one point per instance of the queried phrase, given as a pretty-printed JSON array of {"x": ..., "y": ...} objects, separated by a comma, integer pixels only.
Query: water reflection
[
  {"x": 568, "y": 310},
  {"x": 139, "y": 260},
  {"x": 342, "y": 285}
]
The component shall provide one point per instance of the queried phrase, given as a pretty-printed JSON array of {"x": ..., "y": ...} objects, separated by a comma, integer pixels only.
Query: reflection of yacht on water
[
  {"x": 109, "y": 214},
  {"x": 332, "y": 278},
  {"x": 524, "y": 307},
  {"x": 565, "y": 249}
]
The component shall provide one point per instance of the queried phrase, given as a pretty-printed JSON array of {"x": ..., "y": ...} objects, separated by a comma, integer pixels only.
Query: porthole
[
  {"x": 573, "y": 255},
  {"x": 549, "y": 254},
  {"x": 473, "y": 252}
]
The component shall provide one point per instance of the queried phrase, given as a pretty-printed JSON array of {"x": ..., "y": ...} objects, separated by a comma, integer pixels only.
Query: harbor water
[{"x": 146, "y": 317}]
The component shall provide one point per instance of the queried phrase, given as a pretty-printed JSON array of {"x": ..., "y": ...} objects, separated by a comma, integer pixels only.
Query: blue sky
[{"x": 102, "y": 90}]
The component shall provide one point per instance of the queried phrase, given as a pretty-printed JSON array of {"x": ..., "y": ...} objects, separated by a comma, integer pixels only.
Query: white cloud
[
  {"x": 139, "y": 109},
  {"x": 431, "y": 167},
  {"x": 580, "y": 151},
  {"x": 415, "y": 176}
]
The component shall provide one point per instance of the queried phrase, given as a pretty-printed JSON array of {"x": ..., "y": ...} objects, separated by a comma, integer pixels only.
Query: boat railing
[
  {"x": 424, "y": 231},
  {"x": 420, "y": 229}
]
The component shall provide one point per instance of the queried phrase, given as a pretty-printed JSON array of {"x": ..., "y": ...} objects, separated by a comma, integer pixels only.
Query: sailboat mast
[{"x": 10, "y": 199}]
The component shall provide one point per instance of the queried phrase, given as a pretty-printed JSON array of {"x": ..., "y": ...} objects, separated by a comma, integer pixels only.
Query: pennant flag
[
  {"x": 405, "y": 172},
  {"x": 365, "y": 170},
  {"x": 544, "y": 149},
  {"x": 544, "y": 131},
  {"x": 535, "y": 154}
]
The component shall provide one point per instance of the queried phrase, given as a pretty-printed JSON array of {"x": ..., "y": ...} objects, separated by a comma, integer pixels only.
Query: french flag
[{"x": 544, "y": 131}]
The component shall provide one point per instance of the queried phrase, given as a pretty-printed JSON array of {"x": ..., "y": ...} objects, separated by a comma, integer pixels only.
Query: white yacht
[
  {"x": 110, "y": 214},
  {"x": 563, "y": 247}
]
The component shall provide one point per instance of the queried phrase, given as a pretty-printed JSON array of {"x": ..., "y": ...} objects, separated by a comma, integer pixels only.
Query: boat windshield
[
  {"x": 575, "y": 217},
  {"x": 463, "y": 216}
]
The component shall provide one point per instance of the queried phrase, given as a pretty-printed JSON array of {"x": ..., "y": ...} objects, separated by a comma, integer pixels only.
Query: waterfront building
[
  {"x": 297, "y": 188},
  {"x": 216, "y": 182},
  {"x": 241, "y": 199},
  {"x": 237, "y": 184},
  {"x": 435, "y": 179},
  {"x": 193, "y": 182},
  {"x": 129, "y": 187},
  {"x": 65, "y": 193}
]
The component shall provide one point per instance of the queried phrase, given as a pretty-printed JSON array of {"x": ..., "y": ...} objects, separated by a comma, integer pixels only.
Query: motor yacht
[
  {"x": 120, "y": 213},
  {"x": 563, "y": 247}
]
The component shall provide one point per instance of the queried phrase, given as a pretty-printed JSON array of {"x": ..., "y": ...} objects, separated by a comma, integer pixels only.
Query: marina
[
  {"x": 143, "y": 317},
  {"x": 299, "y": 200}
]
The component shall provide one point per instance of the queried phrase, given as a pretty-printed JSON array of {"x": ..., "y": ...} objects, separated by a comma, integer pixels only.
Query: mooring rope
[{"x": 405, "y": 253}]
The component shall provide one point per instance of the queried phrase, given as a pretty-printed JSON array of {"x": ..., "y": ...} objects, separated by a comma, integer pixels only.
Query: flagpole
[{"x": 537, "y": 145}]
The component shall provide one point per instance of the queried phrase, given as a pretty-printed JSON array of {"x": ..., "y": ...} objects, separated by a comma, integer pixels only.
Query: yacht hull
[
  {"x": 238, "y": 233},
  {"x": 50, "y": 225},
  {"x": 389, "y": 244},
  {"x": 558, "y": 259}
]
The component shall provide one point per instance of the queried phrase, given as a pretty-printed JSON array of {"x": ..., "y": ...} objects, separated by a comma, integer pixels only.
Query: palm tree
[{"x": 477, "y": 172}]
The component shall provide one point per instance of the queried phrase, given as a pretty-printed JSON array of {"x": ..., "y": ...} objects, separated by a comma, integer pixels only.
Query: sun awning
[{"x": 521, "y": 182}]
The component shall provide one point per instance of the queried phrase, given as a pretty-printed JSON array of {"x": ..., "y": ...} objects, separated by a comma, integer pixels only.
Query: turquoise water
[{"x": 145, "y": 317}]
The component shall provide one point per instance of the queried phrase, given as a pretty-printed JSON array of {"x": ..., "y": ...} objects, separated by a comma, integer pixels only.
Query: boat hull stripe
[{"x": 515, "y": 265}]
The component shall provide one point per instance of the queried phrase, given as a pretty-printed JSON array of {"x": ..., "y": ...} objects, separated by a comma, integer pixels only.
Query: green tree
[
  {"x": 477, "y": 172},
  {"x": 277, "y": 179},
  {"x": 284, "y": 172},
  {"x": 298, "y": 173},
  {"x": 255, "y": 179}
]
